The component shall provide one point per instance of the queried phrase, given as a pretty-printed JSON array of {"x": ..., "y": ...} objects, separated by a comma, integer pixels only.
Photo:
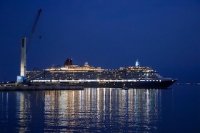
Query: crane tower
[{"x": 22, "y": 77}]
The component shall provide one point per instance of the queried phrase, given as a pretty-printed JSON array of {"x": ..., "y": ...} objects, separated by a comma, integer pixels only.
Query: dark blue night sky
[{"x": 162, "y": 34}]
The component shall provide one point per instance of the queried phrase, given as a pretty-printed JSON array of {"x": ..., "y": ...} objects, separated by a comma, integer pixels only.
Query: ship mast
[{"x": 137, "y": 63}]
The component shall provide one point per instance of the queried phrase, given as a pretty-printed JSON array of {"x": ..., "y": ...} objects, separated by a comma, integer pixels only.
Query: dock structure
[{"x": 37, "y": 87}]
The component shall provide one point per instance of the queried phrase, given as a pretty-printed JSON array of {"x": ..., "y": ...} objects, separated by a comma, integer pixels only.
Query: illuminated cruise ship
[{"x": 88, "y": 76}]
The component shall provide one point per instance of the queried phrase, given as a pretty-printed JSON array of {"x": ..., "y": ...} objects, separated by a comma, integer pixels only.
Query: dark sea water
[{"x": 176, "y": 109}]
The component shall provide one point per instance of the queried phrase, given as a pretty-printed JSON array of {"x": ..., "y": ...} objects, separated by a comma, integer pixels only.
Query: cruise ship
[{"x": 88, "y": 76}]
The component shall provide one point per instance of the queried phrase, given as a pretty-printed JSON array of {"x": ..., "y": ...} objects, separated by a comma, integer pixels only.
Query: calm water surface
[{"x": 102, "y": 110}]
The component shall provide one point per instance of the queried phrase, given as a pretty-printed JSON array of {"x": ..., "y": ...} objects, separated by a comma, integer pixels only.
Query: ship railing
[{"x": 96, "y": 80}]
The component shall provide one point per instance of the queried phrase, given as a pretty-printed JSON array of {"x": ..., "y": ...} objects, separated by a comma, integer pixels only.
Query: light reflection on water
[{"x": 88, "y": 110}]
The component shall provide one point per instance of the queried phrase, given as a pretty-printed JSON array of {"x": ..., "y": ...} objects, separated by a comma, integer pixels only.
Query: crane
[
  {"x": 35, "y": 24},
  {"x": 22, "y": 77}
]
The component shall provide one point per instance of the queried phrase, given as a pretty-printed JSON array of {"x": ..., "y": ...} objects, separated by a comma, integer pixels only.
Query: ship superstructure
[{"x": 88, "y": 76}]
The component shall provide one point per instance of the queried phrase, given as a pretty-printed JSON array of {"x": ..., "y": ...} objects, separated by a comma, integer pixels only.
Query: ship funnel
[{"x": 68, "y": 62}]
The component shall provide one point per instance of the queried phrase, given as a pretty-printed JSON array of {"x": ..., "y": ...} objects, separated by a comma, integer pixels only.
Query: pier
[{"x": 34, "y": 87}]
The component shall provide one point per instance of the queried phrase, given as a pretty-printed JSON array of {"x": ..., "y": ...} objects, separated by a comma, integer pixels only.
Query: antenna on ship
[{"x": 137, "y": 63}]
